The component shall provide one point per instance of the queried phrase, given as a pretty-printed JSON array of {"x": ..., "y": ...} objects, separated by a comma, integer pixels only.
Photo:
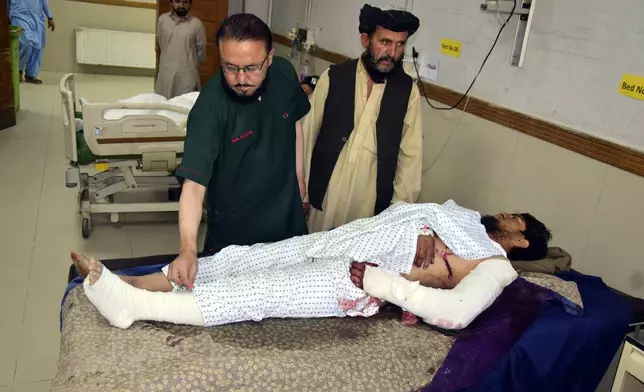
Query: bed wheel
[
  {"x": 82, "y": 197},
  {"x": 85, "y": 228}
]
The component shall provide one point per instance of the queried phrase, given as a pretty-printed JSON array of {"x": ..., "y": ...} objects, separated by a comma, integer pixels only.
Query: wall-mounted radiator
[{"x": 115, "y": 48}]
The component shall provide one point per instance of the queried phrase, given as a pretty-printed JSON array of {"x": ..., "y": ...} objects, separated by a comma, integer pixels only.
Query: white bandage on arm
[{"x": 450, "y": 309}]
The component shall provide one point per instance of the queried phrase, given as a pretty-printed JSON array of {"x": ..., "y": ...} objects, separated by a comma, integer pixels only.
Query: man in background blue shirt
[{"x": 30, "y": 15}]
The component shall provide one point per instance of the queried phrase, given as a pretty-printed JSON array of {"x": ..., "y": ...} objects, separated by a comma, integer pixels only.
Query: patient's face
[
  {"x": 385, "y": 48},
  {"x": 510, "y": 222},
  {"x": 244, "y": 65},
  {"x": 504, "y": 222},
  {"x": 506, "y": 229}
]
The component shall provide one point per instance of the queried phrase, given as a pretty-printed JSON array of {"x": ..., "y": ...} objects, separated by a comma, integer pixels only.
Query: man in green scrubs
[{"x": 240, "y": 149}]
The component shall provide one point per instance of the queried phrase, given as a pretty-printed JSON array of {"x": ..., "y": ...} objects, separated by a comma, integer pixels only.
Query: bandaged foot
[
  {"x": 122, "y": 304},
  {"x": 111, "y": 296}
]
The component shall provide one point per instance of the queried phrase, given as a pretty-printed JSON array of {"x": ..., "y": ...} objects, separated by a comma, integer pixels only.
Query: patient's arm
[
  {"x": 451, "y": 309},
  {"x": 445, "y": 271}
]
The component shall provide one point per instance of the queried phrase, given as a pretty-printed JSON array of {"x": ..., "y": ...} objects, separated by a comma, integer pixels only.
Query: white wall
[
  {"x": 235, "y": 6},
  {"x": 258, "y": 7},
  {"x": 60, "y": 53},
  {"x": 577, "y": 54},
  {"x": 340, "y": 32},
  {"x": 286, "y": 14}
]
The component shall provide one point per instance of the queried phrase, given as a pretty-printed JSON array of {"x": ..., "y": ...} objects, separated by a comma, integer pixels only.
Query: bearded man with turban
[{"x": 363, "y": 135}]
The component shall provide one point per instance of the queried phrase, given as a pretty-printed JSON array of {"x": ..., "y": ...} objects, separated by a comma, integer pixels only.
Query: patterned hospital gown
[{"x": 308, "y": 276}]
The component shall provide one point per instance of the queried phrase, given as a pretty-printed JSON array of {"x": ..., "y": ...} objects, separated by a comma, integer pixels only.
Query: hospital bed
[
  {"x": 123, "y": 147},
  {"x": 526, "y": 341}
]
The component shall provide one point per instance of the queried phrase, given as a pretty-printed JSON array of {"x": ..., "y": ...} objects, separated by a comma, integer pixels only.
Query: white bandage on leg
[
  {"x": 122, "y": 304},
  {"x": 450, "y": 309}
]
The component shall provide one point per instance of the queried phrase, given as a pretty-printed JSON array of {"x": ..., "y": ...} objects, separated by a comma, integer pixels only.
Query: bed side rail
[
  {"x": 68, "y": 97},
  {"x": 109, "y": 131}
]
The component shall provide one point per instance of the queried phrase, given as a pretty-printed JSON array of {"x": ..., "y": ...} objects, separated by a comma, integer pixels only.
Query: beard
[
  {"x": 491, "y": 224},
  {"x": 380, "y": 63},
  {"x": 244, "y": 90},
  {"x": 377, "y": 67},
  {"x": 181, "y": 12}
]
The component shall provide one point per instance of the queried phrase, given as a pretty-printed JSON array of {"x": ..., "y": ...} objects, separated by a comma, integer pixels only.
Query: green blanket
[{"x": 85, "y": 155}]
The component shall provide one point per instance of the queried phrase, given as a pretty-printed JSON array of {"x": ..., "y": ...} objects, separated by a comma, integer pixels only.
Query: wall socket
[{"x": 427, "y": 67}]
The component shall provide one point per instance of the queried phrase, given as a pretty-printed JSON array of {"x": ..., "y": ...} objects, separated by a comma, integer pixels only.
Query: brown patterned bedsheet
[
  {"x": 352, "y": 354},
  {"x": 566, "y": 289}
]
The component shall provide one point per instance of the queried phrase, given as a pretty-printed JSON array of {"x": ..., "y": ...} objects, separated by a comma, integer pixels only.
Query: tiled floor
[{"x": 40, "y": 225}]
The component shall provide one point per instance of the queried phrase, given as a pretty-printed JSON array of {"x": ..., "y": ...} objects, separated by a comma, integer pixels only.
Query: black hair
[
  {"x": 538, "y": 235},
  {"x": 245, "y": 27}
]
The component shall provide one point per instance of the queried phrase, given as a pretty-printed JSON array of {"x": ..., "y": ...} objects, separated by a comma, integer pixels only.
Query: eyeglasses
[{"x": 249, "y": 69}]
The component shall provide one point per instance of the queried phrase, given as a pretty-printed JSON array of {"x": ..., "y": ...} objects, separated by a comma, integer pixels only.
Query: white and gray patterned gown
[{"x": 308, "y": 276}]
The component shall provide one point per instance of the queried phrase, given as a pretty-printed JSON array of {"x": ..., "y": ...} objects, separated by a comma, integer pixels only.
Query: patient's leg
[
  {"x": 122, "y": 304},
  {"x": 241, "y": 260},
  {"x": 310, "y": 290},
  {"x": 152, "y": 282},
  {"x": 232, "y": 260}
]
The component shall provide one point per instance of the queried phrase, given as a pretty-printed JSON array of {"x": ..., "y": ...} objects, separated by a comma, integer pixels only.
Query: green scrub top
[{"x": 243, "y": 151}]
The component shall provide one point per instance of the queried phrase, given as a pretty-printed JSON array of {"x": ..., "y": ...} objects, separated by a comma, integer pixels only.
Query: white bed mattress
[{"x": 185, "y": 101}]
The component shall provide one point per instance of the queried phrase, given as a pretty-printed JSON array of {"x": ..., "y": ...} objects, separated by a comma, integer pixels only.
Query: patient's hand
[
  {"x": 425, "y": 253},
  {"x": 357, "y": 272}
]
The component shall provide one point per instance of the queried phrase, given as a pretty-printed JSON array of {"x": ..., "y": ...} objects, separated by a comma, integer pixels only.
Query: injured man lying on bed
[{"x": 443, "y": 263}]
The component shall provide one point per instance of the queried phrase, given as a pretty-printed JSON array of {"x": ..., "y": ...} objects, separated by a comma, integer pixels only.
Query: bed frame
[{"x": 132, "y": 153}]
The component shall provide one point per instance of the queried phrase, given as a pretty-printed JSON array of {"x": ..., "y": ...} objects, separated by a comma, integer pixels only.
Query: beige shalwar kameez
[
  {"x": 182, "y": 46},
  {"x": 351, "y": 193}
]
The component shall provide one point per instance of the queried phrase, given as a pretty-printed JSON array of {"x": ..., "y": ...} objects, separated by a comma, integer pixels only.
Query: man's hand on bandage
[
  {"x": 357, "y": 272},
  {"x": 425, "y": 251},
  {"x": 183, "y": 270}
]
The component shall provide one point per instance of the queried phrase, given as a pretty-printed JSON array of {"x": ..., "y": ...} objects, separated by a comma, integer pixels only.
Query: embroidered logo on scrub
[
  {"x": 285, "y": 115},
  {"x": 242, "y": 136}
]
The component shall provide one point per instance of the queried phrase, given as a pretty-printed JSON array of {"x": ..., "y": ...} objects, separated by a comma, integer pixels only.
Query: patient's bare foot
[
  {"x": 95, "y": 270},
  {"x": 81, "y": 262}
]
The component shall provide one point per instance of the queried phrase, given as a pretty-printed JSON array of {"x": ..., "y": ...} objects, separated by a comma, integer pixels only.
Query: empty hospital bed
[{"x": 122, "y": 147}]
